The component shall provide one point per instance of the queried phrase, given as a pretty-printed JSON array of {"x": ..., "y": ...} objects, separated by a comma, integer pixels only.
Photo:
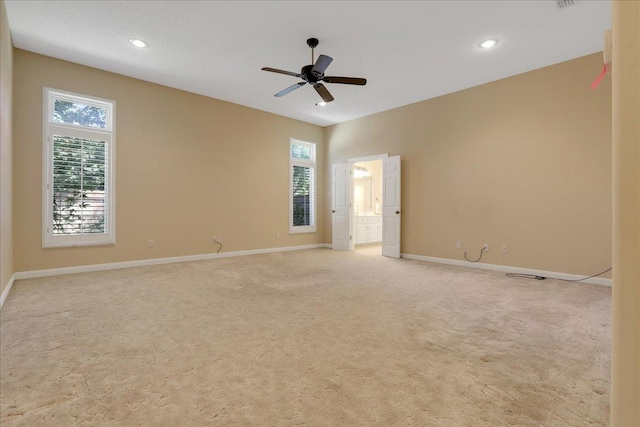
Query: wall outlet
[
  {"x": 504, "y": 249},
  {"x": 486, "y": 247},
  {"x": 459, "y": 244},
  {"x": 277, "y": 235},
  {"x": 150, "y": 243},
  {"x": 217, "y": 239}
]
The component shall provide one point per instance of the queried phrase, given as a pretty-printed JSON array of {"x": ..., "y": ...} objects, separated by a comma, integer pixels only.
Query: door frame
[{"x": 352, "y": 212}]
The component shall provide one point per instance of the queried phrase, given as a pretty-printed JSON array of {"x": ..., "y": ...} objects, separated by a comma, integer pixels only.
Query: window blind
[
  {"x": 303, "y": 195},
  {"x": 80, "y": 179}
]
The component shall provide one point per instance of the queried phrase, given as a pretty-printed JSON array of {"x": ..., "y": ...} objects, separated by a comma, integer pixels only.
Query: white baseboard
[
  {"x": 508, "y": 269},
  {"x": 6, "y": 291},
  {"x": 154, "y": 261}
]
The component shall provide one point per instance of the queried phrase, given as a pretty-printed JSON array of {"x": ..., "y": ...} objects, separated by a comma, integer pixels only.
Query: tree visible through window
[
  {"x": 78, "y": 185},
  {"x": 302, "y": 177},
  {"x": 79, "y": 114},
  {"x": 302, "y": 163},
  {"x": 79, "y": 146}
]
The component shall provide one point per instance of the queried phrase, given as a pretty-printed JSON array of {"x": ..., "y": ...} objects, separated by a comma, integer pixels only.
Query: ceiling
[{"x": 408, "y": 51}]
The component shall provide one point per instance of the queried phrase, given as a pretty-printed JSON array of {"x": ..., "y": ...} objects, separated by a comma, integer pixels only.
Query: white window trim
[
  {"x": 311, "y": 163},
  {"x": 108, "y": 134}
]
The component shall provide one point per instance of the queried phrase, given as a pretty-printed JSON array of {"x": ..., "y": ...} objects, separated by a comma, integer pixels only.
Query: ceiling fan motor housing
[{"x": 310, "y": 76}]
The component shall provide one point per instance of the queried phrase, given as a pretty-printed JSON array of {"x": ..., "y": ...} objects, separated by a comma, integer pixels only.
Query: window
[
  {"x": 78, "y": 162},
  {"x": 302, "y": 187}
]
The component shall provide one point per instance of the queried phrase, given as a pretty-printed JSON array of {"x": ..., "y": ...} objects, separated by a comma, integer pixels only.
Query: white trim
[
  {"x": 508, "y": 269},
  {"x": 156, "y": 261},
  {"x": 75, "y": 131},
  {"x": 312, "y": 228},
  {"x": 310, "y": 145},
  {"x": 311, "y": 164},
  {"x": 6, "y": 291},
  {"x": 368, "y": 158},
  {"x": 108, "y": 134},
  {"x": 88, "y": 100}
]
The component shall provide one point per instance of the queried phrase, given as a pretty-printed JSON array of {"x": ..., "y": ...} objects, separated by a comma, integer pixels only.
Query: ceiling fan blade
[
  {"x": 321, "y": 64},
  {"x": 290, "y": 89},
  {"x": 275, "y": 70},
  {"x": 323, "y": 92},
  {"x": 346, "y": 80}
]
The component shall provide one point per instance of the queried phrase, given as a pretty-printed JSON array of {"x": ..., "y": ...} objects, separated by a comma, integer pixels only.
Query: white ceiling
[{"x": 408, "y": 51}]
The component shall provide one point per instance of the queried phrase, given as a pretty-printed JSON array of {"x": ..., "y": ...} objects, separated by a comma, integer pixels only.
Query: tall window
[
  {"x": 302, "y": 184},
  {"x": 78, "y": 157}
]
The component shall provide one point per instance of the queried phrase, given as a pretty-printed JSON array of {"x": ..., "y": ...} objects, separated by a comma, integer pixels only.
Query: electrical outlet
[
  {"x": 486, "y": 247},
  {"x": 458, "y": 244},
  {"x": 150, "y": 243},
  {"x": 215, "y": 239},
  {"x": 277, "y": 235},
  {"x": 504, "y": 249}
]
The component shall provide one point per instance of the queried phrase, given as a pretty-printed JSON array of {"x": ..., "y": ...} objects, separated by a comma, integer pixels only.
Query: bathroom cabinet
[{"x": 368, "y": 229}]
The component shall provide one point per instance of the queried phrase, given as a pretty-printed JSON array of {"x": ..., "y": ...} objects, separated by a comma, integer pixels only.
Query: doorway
[{"x": 366, "y": 203}]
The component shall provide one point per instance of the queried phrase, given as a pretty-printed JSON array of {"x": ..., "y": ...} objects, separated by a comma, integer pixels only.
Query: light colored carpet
[{"x": 315, "y": 337}]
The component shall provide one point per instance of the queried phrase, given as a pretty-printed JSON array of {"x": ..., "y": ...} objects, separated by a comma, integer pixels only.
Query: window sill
[
  {"x": 303, "y": 230},
  {"x": 54, "y": 245}
]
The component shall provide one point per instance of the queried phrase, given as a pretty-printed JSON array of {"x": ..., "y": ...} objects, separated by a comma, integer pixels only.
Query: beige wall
[
  {"x": 188, "y": 167},
  {"x": 625, "y": 378},
  {"x": 524, "y": 161},
  {"x": 6, "y": 151}
]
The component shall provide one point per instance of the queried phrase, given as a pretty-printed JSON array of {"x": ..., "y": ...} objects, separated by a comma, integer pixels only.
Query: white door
[
  {"x": 391, "y": 207},
  {"x": 340, "y": 206}
]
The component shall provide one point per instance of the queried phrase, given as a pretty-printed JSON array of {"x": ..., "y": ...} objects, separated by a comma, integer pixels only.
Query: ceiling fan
[{"x": 314, "y": 75}]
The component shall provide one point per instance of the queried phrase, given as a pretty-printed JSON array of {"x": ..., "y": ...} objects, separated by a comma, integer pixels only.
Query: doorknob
[
  {"x": 397, "y": 212},
  {"x": 333, "y": 211}
]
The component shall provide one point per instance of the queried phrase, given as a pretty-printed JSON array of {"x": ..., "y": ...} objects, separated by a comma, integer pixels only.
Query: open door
[
  {"x": 340, "y": 186},
  {"x": 391, "y": 207}
]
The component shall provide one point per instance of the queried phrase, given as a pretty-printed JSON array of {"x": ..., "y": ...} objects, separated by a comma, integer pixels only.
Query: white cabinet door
[
  {"x": 391, "y": 207},
  {"x": 362, "y": 233},
  {"x": 371, "y": 233},
  {"x": 340, "y": 206},
  {"x": 376, "y": 233}
]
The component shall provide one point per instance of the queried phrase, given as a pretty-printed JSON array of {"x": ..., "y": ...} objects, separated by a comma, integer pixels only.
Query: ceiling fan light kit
[
  {"x": 313, "y": 74},
  {"x": 138, "y": 43},
  {"x": 488, "y": 44}
]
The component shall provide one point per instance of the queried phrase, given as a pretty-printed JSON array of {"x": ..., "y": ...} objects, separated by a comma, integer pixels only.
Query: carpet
[{"x": 315, "y": 337}]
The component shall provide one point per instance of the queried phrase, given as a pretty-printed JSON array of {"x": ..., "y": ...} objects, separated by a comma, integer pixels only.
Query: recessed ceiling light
[
  {"x": 488, "y": 44},
  {"x": 321, "y": 103},
  {"x": 137, "y": 43}
]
